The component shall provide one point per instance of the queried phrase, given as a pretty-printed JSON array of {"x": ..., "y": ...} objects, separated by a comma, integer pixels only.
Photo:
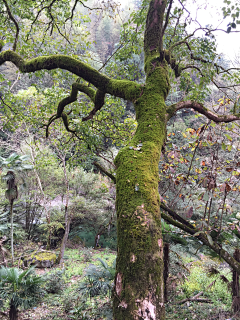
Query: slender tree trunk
[
  {"x": 68, "y": 218},
  {"x": 44, "y": 198},
  {"x": 166, "y": 267},
  {"x": 11, "y": 215},
  {"x": 139, "y": 286},
  {"x": 13, "y": 312},
  {"x": 235, "y": 285},
  {"x": 49, "y": 233},
  {"x": 64, "y": 241}
]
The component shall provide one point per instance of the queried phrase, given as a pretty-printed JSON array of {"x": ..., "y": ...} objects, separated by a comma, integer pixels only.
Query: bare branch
[
  {"x": 192, "y": 231},
  {"x": 74, "y": 7},
  {"x": 89, "y": 7},
  {"x": 11, "y": 17},
  {"x": 196, "y": 297},
  {"x": 171, "y": 110},
  {"x": 111, "y": 176},
  {"x": 99, "y": 102},
  {"x": 167, "y": 17}
]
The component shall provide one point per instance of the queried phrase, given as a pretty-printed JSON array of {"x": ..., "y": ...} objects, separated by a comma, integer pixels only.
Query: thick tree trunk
[
  {"x": 235, "y": 285},
  {"x": 139, "y": 290}
]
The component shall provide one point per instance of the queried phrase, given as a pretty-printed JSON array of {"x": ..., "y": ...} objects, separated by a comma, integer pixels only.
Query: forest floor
[{"x": 66, "y": 303}]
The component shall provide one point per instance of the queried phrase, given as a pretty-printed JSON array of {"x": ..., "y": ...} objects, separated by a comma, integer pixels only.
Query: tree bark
[
  {"x": 64, "y": 241},
  {"x": 235, "y": 285}
]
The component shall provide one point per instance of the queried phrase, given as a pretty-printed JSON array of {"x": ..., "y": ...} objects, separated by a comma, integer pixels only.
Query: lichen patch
[
  {"x": 123, "y": 304},
  {"x": 119, "y": 284},
  {"x": 133, "y": 258},
  {"x": 146, "y": 310},
  {"x": 160, "y": 243}
]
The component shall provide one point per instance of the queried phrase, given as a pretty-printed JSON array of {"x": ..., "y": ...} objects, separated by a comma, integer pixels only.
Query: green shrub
[
  {"x": 98, "y": 279},
  {"x": 54, "y": 281},
  {"x": 86, "y": 254}
]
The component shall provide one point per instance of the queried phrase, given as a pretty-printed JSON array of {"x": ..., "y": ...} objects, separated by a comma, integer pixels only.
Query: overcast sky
[{"x": 211, "y": 13}]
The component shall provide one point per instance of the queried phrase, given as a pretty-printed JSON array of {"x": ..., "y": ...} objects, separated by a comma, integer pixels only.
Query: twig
[{"x": 195, "y": 298}]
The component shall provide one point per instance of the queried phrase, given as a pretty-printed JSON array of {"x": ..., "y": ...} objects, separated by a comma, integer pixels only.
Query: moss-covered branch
[
  {"x": 177, "y": 217},
  {"x": 171, "y": 110},
  {"x": 125, "y": 89},
  {"x": 98, "y": 104}
]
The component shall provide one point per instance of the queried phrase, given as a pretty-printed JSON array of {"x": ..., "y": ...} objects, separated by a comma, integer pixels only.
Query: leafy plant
[
  {"x": 98, "y": 280},
  {"x": 79, "y": 312},
  {"x": 54, "y": 282},
  {"x": 20, "y": 288}
]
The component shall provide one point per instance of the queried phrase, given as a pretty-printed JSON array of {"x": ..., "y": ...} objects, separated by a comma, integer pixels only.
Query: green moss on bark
[{"x": 139, "y": 282}]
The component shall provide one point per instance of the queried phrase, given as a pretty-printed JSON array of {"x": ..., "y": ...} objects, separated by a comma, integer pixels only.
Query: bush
[
  {"x": 54, "y": 282},
  {"x": 69, "y": 300},
  {"x": 86, "y": 254},
  {"x": 98, "y": 280}
]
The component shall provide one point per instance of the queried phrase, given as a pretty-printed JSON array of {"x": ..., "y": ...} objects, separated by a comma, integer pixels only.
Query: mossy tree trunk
[
  {"x": 139, "y": 289},
  {"x": 139, "y": 292}
]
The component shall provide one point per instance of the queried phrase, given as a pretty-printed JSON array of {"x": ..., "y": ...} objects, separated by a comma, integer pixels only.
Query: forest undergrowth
[{"x": 81, "y": 289}]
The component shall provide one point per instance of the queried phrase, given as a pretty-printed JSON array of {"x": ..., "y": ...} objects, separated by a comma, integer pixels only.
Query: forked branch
[{"x": 96, "y": 96}]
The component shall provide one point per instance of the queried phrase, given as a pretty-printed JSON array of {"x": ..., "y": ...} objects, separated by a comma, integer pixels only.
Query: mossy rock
[{"x": 40, "y": 259}]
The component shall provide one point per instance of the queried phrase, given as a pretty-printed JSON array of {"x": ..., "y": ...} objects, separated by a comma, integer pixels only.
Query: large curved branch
[
  {"x": 192, "y": 231},
  {"x": 128, "y": 90},
  {"x": 97, "y": 96},
  {"x": 171, "y": 110}
]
